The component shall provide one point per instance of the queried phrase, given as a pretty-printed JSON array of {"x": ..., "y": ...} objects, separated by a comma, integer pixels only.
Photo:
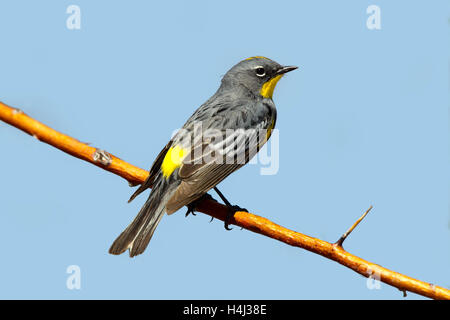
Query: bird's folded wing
[{"x": 204, "y": 167}]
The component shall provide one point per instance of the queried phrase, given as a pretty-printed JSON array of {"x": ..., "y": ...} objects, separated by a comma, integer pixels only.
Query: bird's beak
[{"x": 285, "y": 69}]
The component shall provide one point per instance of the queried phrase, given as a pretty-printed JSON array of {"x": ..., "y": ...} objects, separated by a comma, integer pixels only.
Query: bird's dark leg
[
  {"x": 231, "y": 209},
  {"x": 192, "y": 206}
]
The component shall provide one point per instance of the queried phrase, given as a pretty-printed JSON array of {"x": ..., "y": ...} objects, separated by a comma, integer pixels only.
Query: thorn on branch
[
  {"x": 347, "y": 233},
  {"x": 404, "y": 292},
  {"x": 17, "y": 111},
  {"x": 102, "y": 157}
]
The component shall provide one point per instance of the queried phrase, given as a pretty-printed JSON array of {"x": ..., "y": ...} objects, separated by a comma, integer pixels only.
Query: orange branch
[{"x": 246, "y": 220}]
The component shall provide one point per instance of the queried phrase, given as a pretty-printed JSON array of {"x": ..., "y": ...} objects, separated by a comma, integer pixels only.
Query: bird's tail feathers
[{"x": 138, "y": 234}]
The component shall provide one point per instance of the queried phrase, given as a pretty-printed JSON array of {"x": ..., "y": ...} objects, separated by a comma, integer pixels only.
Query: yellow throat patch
[
  {"x": 268, "y": 87},
  {"x": 173, "y": 159}
]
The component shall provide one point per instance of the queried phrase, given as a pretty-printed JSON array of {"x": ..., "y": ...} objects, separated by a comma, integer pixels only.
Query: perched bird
[{"x": 219, "y": 138}]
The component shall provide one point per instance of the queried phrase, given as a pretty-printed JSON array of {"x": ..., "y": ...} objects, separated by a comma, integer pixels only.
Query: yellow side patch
[
  {"x": 269, "y": 86},
  {"x": 269, "y": 130},
  {"x": 257, "y": 57},
  {"x": 173, "y": 159}
]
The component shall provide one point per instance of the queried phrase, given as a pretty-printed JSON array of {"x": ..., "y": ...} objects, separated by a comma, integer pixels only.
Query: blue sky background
[{"x": 364, "y": 121}]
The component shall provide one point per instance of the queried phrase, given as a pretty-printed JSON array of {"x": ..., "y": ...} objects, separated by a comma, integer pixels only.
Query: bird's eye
[{"x": 260, "y": 72}]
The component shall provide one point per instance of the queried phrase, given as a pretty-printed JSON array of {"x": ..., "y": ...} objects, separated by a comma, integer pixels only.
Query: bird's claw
[
  {"x": 230, "y": 214},
  {"x": 190, "y": 210},
  {"x": 193, "y": 205}
]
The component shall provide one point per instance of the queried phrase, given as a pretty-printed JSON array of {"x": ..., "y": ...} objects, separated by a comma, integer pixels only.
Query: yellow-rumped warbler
[{"x": 219, "y": 138}]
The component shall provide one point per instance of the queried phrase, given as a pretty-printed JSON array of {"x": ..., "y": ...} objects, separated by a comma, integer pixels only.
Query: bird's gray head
[{"x": 258, "y": 74}]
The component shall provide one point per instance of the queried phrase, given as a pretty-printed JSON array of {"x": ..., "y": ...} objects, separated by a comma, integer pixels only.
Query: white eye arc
[{"x": 260, "y": 72}]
